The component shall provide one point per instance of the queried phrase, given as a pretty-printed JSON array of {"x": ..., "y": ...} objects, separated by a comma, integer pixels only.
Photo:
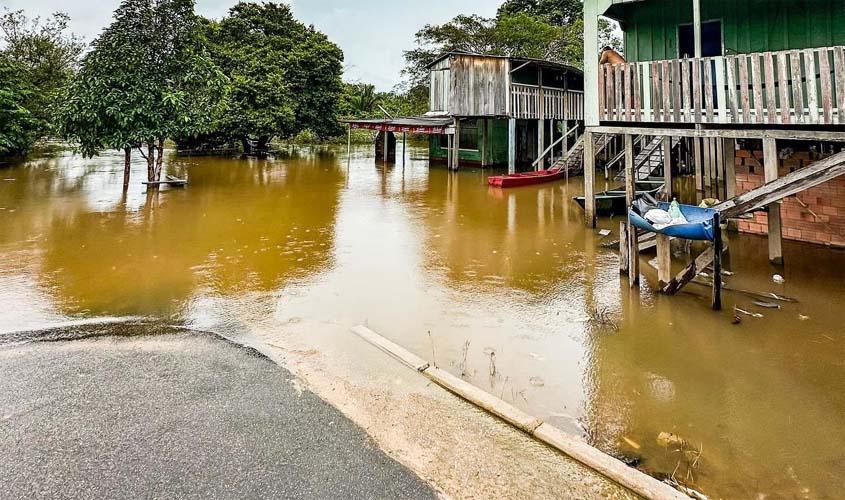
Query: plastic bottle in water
[{"x": 675, "y": 209}]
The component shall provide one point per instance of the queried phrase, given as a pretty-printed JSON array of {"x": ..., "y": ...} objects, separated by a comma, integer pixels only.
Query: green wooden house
[{"x": 707, "y": 82}]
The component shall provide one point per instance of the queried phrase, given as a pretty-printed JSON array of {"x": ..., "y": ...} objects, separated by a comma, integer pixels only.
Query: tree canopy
[
  {"x": 37, "y": 59},
  {"x": 146, "y": 79},
  {"x": 284, "y": 77}
]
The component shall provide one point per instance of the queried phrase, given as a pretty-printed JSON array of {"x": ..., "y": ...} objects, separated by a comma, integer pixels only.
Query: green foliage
[
  {"x": 284, "y": 76},
  {"x": 19, "y": 128},
  {"x": 146, "y": 79},
  {"x": 554, "y": 12},
  {"x": 38, "y": 59}
]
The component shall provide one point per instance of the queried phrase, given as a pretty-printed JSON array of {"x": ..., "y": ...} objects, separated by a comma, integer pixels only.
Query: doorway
[{"x": 711, "y": 40}]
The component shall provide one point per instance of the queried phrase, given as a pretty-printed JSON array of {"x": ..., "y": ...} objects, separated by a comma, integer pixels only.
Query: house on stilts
[
  {"x": 736, "y": 94},
  {"x": 487, "y": 110}
]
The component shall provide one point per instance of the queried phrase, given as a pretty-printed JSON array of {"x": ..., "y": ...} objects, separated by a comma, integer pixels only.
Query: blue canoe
[{"x": 700, "y": 226}]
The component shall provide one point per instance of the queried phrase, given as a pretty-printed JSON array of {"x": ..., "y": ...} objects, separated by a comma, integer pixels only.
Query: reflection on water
[{"x": 499, "y": 286}]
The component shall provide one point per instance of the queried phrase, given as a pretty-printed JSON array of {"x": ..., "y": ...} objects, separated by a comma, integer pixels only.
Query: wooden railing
[
  {"x": 795, "y": 87},
  {"x": 558, "y": 104}
]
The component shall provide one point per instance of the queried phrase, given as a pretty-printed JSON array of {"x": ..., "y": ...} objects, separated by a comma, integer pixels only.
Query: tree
[
  {"x": 44, "y": 57},
  {"x": 147, "y": 79},
  {"x": 19, "y": 129},
  {"x": 554, "y": 12},
  {"x": 285, "y": 76}
]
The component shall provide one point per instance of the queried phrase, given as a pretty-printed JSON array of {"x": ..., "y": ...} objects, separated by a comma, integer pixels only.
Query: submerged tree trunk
[
  {"x": 159, "y": 158},
  {"x": 247, "y": 145},
  {"x": 127, "y": 166},
  {"x": 151, "y": 158}
]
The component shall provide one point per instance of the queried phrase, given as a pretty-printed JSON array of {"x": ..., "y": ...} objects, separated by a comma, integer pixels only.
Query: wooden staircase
[
  {"x": 573, "y": 160},
  {"x": 649, "y": 159}
]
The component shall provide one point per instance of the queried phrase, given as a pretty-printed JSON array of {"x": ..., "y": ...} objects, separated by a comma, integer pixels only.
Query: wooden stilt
[
  {"x": 386, "y": 146},
  {"x": 349, "y": 145},
  {"x": 630, "y": 191},
  {"x": 729, "y": 149},
  {"x": 552, "y": 141},
  {"x": 456, "y": 161},
  {"x": 664, "y": 260},
  {"x": 717, "y": 263},
  {"x": 624, "y": 256},
  {"x": 589, "y": 179},
  {"x": 667, "y": 166},
  {"x": 512, "y": 145},
  {"x": 706, "y": 164},
  {"x": 565, "y": 143},
  {"x": 485, "y": 147},
  {"x": 541, "y": 143},
  {"x": 449, "y": 154},
  {"x": 404, "y": 146},
  {"x": 699, "y": 164},
  {"x": 770, "y": 161}
]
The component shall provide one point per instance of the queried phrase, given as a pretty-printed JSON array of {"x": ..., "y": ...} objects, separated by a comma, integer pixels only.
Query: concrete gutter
[{"x": 572, "y": 446}]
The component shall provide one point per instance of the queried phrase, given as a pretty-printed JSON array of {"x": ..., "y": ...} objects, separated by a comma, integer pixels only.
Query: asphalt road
[{"x": 174, "y": 415}]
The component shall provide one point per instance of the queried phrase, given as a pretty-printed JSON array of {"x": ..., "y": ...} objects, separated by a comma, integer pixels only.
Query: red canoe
[{"x": 527, "y": 178}]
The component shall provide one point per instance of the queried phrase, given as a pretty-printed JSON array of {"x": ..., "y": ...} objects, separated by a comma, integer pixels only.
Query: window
[{"x": 469, "y": 135}]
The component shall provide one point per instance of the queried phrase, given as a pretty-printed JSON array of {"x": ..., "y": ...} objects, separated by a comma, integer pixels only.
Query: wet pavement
[{"x": 176, "y": 414}]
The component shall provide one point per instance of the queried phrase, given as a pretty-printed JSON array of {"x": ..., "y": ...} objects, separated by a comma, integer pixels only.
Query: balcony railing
[
  {"x": 558, "y": 104},
  {"x": 796, "y": 87}
]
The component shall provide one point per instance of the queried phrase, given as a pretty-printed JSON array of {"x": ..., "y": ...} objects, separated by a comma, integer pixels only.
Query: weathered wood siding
[
  {"x": 651, "y": 27},
  {"x": 478, "y": 86},
  {"x": 439, "y": 88}
]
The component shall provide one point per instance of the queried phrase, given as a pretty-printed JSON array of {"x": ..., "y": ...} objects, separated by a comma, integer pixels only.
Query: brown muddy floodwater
[{"x": 505, "y": 282}]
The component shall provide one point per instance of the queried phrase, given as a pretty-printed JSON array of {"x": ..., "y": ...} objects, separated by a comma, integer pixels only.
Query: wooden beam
[
  {"x": 696, "y": 26},
  {"x": 667, "y": 166},
  {"x": 788, "y": 185},
  {"x": 664, "y": 260},
  {"x": 512, "y": 145},
  {"x": 770, "y": 163},
  {"x": 729, "y": 149},
  {"x": 698, "y": 164},
  {"x": 589, "y": 178},
  {"x": 796, "y": 135},
  {"x": 630, "y": 174},
  {"x": 449, "y": 154},
  {"x": 690, "y": 272},
  {"x": 591, "y": 67}
]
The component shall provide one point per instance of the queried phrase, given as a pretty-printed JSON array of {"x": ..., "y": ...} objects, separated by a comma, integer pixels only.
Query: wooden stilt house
[{"x": 734, "y": 93}]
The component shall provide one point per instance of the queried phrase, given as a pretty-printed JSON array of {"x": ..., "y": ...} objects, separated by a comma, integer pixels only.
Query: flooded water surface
[{"x": 505, "y": 288}]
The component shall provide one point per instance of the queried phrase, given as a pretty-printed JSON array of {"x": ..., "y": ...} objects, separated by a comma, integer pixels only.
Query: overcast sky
[{"x": 372, "y": 33}]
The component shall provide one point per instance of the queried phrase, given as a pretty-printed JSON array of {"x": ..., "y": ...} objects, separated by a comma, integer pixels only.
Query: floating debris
[
  {"x": 670, "y": 440},
  {"x": 633, "y": 444},
  {"x": 743, "y": 311},
  {"x": 803, "y": 318},
  {"x": 767, "y": 305},
  {"x": 537, "y": 381},
  {"x": 605, "y": 233},
  {"x": 780, "y": 280}
]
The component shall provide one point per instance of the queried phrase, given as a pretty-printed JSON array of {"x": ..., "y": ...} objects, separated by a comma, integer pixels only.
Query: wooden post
[
  {"x": 512, "y": 145},
  {"x": 485, "y": 148},
  {"x": 664, "y": 260},
  {"x": 630, "y": 192},
  {"x": 552, "y": 141},
  {"x": 667, "y": 166},
  {"x": 706, "y": 164},
  {"x": 456, "y": 161},
  {"x": 386, "y": 146},
  {"x": 404, "y": 146},
  {"x": 770, "y": 159},
  {"x": 624, "y": 243},
  {"x": 589, "y": 179},
  {"x": 696, "y": 27},
  {"x": 541, "y": 122},
  {"x": 349, "y": 140},
  {"x": 730, "y": 167},
  {"x": 565, "y": 143},
  {"x": 717, "y": 263},
  {"x": 449, "y": 154},
  {"x": 699, "y": 164}
]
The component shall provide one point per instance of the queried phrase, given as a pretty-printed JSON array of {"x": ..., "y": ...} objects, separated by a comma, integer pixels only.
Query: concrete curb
[{"x": 575, "y": 448}]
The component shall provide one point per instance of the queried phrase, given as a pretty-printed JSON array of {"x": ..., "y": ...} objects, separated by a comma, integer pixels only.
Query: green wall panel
[
  {"x": 498, "y": 153},
  {"x": 651, "y": 27}
]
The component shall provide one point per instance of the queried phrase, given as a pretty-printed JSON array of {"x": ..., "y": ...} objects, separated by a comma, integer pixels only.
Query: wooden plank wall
[
  {"x": 478, "y": 86},
  {"x": 439, "y": 88},
  {"x": 798, "y": 87}
]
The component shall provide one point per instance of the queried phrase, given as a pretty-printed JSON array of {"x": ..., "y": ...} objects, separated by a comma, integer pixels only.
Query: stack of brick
[{"x": 816, "y": 215}]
